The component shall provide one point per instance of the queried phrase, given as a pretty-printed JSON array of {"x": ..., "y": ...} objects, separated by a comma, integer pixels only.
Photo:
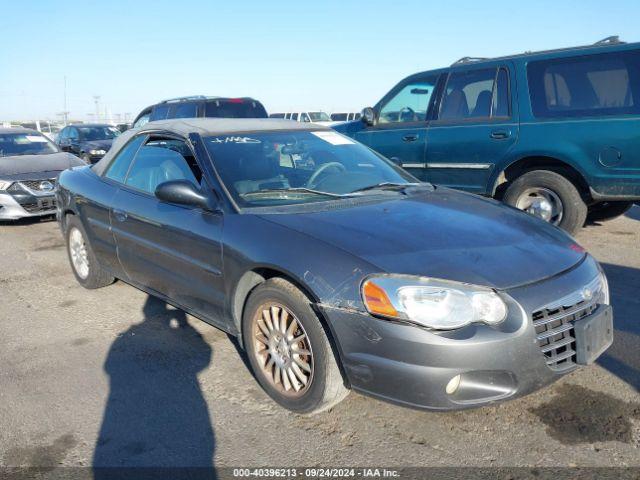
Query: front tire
[
  {"x": 603, "y": 211},
  {"x": 549, "y": 196},
  {"x": 288, "y": 349},
  {"x": 84, "y": 264}
]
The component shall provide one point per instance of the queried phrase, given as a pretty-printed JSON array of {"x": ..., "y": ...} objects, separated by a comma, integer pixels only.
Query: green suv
[{"x": 554, "y": 133}]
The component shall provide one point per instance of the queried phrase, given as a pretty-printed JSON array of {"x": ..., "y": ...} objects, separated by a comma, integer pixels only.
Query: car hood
[
  {"x": 22, "y": 164},
  {"x": 97, "y": 145},
  {"x": 444, "y": 234}
]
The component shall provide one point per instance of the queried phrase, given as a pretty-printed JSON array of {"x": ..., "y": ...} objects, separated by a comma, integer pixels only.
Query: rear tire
[
  {"x": 276, "y": 315},
  {"x": 83, "y": 261},
  {"x": 603, "y": 211},
  {"x": 550, "y": 196}
]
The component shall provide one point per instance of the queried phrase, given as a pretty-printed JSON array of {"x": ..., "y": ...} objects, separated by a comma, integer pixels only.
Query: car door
[
  {"x": 174, "y": 250},
  {"x": 74, "y": 141},
  {"x": 475, "y": 127},
  {"x": 400, "y": 129},
  {"x": 96, "y": 208}
]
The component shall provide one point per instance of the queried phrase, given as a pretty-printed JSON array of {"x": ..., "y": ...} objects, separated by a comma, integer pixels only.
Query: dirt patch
[
  {"x": 41, "y": 455},
  {"x": 580, "y": 415}
]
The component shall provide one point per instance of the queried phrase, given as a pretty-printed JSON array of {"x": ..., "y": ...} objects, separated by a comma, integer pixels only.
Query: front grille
[
  {"x": 42, "y": 205},
  {"x": 554, "y": 324},
  {"x": 36, "y": 185}
]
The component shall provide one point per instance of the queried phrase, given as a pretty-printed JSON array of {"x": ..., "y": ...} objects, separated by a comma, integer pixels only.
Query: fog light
[{"x": 453, "y": 385}]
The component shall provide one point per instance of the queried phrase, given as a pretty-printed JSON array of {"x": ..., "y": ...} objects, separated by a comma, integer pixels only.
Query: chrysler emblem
[{"x": 46, "y": 186}]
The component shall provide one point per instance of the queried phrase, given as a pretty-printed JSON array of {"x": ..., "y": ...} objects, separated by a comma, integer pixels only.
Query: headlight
[
  {"x": 5, "y": 184},
  {"x": 437, "y": 304},
  {"x": 97, "y": 152},
  {"x": 605, "y": 288}
]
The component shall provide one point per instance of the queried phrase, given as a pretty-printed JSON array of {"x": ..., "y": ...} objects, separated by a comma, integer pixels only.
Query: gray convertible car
[
  {"x": 29, "y": 166},
  {"x": 335, "y": 268}
]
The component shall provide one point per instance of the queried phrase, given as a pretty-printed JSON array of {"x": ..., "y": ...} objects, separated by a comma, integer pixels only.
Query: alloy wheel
[
  {"x": 78, "y": 252},
  {"x": 283, "y": 349},
  {"x": 542, "y": 203}
]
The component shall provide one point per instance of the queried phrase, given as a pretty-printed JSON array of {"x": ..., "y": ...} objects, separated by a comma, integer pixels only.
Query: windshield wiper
[
  {"x": 296, "y": 189},
  {"x": 387, "y": 186}
]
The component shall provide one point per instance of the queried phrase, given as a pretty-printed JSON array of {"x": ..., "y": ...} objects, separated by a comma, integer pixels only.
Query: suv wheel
[
  {"x": 83, "y": 261},
  {"x": 549, "y": 196},
  {"x": 288, "y": 349},
  {"x": 603, "y": 211}
]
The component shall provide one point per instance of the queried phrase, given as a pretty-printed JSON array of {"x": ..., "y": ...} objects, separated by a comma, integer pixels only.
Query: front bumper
[
  {"x": 28, "y": 206},
  {"x": 412, "y": 366}
]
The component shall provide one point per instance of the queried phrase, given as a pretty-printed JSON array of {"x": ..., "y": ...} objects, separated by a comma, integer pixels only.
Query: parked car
[
  {"x": 29, "y": 166},
  {"x": 320, "y": 118},
  {"x": 553, "y": 133},
  {"x": 345, "y": 117},
  {"x": 89, "y": 141},
  {"x": 201, "y": 106},
  {"x": 333, "y": 267}
]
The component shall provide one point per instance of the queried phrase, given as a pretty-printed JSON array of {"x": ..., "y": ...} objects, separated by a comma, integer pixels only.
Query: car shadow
[
  {"x": 28, "y": 220},
  {"x": 622, "y": 359},
  {"x": 156, "y": 423}
]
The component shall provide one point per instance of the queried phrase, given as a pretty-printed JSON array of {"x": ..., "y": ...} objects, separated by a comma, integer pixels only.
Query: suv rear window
[
  {"x": 159, "y": 112},
  {"x": 602, "y": 84},
  {"x": 235, "y": 109},
  {"x": 184, "y": 110}
]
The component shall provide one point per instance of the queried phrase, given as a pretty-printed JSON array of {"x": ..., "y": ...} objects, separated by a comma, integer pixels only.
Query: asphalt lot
[{"x": 112, "y": 376}]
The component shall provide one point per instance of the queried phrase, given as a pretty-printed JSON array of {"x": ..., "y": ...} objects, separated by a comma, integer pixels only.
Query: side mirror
[
  {"x": 183, "y": 192},
  {"x": 368, "y": 116}
]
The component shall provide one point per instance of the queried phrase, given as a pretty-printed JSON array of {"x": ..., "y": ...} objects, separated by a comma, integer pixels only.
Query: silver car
[{"x": 29, "y": 167}]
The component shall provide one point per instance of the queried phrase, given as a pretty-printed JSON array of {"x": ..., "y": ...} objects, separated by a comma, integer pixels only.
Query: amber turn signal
[{"x": 377, "y": 301}]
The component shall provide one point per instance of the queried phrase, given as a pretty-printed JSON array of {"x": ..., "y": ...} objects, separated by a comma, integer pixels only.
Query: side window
[
  {"x": 294, "y": 116},
  {"x": 63, "y": 134},
  {"x": 304, "y": 117},
  {"x": 119, "y": 166},
  {"x": 468, "y": 94},
  {"x": 411, "y": 103},
  {"x": 184, "y": 110},
  {"x": 603, "y": 84},
  {"x": 159, "y": 112},
  {"x": 73, "y": 134},
  {"x": 161, "y": 160}
]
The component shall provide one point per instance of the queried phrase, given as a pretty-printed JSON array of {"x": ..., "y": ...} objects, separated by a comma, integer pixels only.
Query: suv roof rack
[
  {"x": 184, "y": 99},
  {"x": 468, "y": 60},
  {"x": 611, "y": 40}
]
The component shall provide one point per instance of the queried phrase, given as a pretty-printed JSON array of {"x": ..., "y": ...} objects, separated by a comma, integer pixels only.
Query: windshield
[
  {"x": 98, "y": 133},
  {"x": 319, "y": 117},
  {"x": 292, "y": 167},
  {"x": 25, "y": 144}
]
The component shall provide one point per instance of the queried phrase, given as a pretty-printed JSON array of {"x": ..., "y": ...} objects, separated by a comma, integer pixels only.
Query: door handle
[
  {"x": 500, "y": 134},
  {"x": 120, "y": 215},
  {"x": 410, "y": 138}
]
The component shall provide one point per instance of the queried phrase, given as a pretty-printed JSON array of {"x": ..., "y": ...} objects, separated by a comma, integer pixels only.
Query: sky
[{"x": 291, "y": 55}]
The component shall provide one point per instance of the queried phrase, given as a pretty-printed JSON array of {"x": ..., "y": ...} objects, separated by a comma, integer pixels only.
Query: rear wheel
[
  {"x": 603, "y": 211},
  {"x": 288, "y": 349},
  {"x": 83, "y": 261},
  {"x": 549, "y": 196}
]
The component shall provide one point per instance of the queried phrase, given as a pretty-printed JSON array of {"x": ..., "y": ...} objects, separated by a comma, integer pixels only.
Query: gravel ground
[{"x": 112, "y": 376}]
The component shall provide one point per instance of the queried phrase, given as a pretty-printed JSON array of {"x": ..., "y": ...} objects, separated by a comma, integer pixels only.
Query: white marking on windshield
[{"x": 235, "y": 140}]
